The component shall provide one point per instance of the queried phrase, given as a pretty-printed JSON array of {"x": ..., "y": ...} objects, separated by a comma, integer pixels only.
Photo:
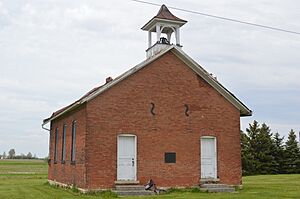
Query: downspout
[
  {"x": 45, "y": 127},
  {"x": 48, "y": 159}
]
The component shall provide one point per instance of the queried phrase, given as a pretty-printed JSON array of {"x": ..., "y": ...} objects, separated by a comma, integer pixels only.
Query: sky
[{"x": 54, "y": 51}]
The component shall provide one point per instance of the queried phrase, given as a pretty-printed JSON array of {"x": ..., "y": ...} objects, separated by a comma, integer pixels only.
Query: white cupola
[{"x": 163, "y": 23}]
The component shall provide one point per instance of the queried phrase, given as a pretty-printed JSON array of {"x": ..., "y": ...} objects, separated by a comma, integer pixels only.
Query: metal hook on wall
[
  {"x": 152, "y": 108},
  {"x": 186, "y": 112}
]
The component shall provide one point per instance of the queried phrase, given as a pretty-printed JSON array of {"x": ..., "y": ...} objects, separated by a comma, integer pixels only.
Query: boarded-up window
[
  {"x": 63, "y": 151},
  {"x": 55, "y": 145},
  {"x": 73, "y": 142}
]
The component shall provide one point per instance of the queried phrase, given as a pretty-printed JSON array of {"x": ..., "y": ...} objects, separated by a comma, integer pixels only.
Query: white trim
[
  {"x": 136, "y": 159},
  {"x": 151, "y": 24},
  {"x": 158, "y": 32},
  {"x": 177, "y": 36},
  {"x": 149, "y": 39},
  {"x": 207, "y": 136},
  {"x": 168, "y": 26},
  {"x": 189, "y": 62},
  {"x": 216, "y": 154}
]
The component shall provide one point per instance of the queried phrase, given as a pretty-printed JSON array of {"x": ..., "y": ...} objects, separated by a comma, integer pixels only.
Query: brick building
[{"x": 165, "y": 119}]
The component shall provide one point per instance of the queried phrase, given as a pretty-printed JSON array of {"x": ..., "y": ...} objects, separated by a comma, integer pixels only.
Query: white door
[
  {"x": 126, "y": 157},
  {"x": 208, "y": 157}
]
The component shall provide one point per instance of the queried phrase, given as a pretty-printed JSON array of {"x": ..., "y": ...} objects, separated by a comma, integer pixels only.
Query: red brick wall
[
  {"x": 125, "y": 109},
  {"x": 69, "y": 173}
]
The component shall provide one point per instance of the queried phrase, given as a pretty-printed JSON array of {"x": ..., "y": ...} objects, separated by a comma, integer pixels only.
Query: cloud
[{"x": 52, "y": 52}]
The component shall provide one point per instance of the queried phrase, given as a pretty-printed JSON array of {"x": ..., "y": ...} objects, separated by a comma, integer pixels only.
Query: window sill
[
  {"x": 63, "y": 162},
  {"x": 73, "y": 163}
]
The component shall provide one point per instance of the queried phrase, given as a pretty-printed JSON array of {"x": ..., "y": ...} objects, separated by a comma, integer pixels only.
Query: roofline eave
[
  {"x": 75, "y": 105},
  {"x": 150, "y": 24},
  {"x": 129, "y": 73},
  {"x": 110, "y": 84},
  {"x": 244, "y": 111}
]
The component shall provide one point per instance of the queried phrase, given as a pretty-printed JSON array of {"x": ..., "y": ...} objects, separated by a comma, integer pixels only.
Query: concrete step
[
  {"x": 217, "y": 189},
  {"x": 129, "y": 187},
  {"x": 214, "y": 186},
  {"x": 133, "y": 192}
]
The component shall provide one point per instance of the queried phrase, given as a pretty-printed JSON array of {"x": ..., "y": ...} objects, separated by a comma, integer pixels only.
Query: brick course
[{"x": 125, "y": 109}]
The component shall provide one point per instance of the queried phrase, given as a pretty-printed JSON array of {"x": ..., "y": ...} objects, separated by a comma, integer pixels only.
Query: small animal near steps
[
  {"x": 216, "y": 188},
  {"x": 132, "y": 190},
  {"x": 152, "y": 186}
]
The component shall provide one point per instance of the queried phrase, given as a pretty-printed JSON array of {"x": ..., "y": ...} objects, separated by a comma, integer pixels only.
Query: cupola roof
[{"x": 163, "y": 14}]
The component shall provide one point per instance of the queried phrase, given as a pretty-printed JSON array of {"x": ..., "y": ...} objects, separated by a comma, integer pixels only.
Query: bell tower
[{"x": 163, "y": 23}]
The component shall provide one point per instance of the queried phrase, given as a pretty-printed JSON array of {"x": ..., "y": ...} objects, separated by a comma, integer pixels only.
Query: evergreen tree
[
  {"x": 263, "y": 153},
  {"x": 292, "y": 154},
  {"x": 264, "y": 149},
  {"x": 246, "y": 156},
  {"x": 278, "y": 153},
  {"x": 257, "y": 150},
  {"x": 252, "y": 162}
]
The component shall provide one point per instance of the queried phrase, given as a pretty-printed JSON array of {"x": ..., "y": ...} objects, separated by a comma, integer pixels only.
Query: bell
[{"x": 164, "y": 40}]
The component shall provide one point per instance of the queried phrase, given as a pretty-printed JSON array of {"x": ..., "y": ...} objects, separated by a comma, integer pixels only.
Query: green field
[{"x": 27, "y": 179}]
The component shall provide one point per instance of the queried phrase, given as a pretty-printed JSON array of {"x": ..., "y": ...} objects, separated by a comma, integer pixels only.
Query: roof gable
[
  {"x": 164, "y": 13},
  {"x": 244, "y": 111}
]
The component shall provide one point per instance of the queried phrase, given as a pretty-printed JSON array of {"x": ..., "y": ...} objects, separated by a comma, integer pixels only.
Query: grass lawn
[{"x": 27, "y": 179}]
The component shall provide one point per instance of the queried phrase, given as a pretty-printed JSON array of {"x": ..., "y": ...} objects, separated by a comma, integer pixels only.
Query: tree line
[
  {"x": 266, "y": 153},
  {"x": 12, "y": 155}
]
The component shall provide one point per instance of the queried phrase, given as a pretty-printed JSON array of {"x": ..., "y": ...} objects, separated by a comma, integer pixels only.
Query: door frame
[
  {"x": 135, "y": 145},
  {"x": 216, "y": 154}
]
